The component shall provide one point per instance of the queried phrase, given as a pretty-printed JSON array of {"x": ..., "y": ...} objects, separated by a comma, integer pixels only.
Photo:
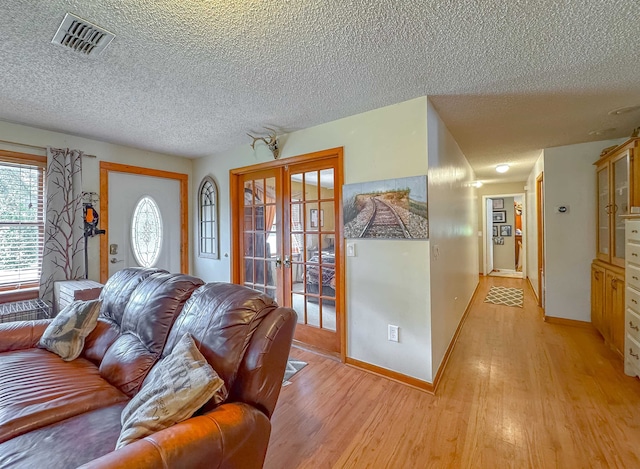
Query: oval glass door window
[{"x": 146, "y": 232}]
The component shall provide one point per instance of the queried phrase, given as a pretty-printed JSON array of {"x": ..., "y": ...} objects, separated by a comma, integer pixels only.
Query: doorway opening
[{"x": 504, "y": 235}]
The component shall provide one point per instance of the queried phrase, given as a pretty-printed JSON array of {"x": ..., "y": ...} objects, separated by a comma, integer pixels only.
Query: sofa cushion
[
  {"x": 115, "y": 295},
  {"x": 66, "y": 444},
  {"x": 38, "y": 388},
  {"x": 222, "y": 318},
  {"x": 176, "y": 387},
  {"x": 66, "y": 333},
  {"x": 145, "y": 324}
]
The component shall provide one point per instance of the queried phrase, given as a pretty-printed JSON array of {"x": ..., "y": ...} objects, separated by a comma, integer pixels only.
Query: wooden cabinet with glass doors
[{"x": 617, "y": 189}]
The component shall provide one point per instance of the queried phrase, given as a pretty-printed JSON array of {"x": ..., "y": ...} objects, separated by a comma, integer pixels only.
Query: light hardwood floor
[{"x": 517, "y": 393}]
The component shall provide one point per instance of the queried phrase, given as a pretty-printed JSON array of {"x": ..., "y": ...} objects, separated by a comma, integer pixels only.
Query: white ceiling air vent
[{"x": 81, "y": 36}]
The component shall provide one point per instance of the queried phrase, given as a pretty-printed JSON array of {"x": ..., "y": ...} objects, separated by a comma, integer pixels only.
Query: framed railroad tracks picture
[{"x": 387, "y": 209}]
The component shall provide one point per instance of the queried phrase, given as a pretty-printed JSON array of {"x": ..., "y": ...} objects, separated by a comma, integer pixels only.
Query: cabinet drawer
[
  {"x": 632, "y": 253},
  {"x": 633, "y": 230},
  {"x": 632, "y": 298},
  {"x": 632, "y": 353},
  {"x": 632, "y": 324},
  {"x": 633, "y": 276}
]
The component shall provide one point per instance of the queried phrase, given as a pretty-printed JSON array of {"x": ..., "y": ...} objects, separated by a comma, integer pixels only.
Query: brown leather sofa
[{"x": 58, "y": 414}]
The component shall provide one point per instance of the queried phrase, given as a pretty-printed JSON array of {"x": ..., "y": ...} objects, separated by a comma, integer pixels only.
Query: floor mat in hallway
[{"x": 505, "y": 296}]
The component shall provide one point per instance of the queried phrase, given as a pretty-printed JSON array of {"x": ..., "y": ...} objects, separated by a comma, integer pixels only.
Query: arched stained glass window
[
  {"x": 146, "y": 232},
  {"x": 208, "y": 218}
]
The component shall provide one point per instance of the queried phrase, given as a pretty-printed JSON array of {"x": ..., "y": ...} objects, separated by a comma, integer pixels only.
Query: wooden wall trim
[
  {"x": 27, "y": 158},
  {"x": 533, "y": 292},
  {"x": 315, "y": 156},
  {"x": 392, "y": 375},
  {"x": 105, "y": 168},
  {"x": 569, "y": 322}
]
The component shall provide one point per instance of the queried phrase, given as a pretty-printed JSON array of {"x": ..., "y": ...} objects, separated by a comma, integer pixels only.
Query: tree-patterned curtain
[{"x": 63, "y": 256}]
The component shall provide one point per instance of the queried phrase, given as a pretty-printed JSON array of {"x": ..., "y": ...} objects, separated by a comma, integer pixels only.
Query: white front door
[{"x": 125, "y": 193}]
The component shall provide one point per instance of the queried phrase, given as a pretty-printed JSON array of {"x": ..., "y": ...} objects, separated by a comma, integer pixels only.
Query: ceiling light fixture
[
  {"x": 502, "y": 168},
  {"x": 624, "y": 110},
  {"x": 601, "y": 131}
]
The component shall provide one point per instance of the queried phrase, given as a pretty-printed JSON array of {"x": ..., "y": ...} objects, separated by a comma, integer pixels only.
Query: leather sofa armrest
[
  {"x": 21, "y": 335},
  {"x": 234, "y": 435}
]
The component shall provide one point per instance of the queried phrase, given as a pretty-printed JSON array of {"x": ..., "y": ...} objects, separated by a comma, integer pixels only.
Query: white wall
[
  {"x": 531, "y": 233},
  {"x": 387, "y": 282},
  {"x": 453, "y": 216},
  {"x": 90, "y": 166},
  {"x": 569, "y": 179}
]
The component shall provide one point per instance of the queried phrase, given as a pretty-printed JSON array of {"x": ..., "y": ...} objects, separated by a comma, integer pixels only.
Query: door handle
[
  {"x": 278, "y": 262},
  {"x": 115, "y": 261},
  {"x": 287, "y": 261}
]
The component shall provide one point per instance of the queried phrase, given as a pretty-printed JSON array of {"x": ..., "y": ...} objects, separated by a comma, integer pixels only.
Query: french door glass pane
[
  {"x": 260, "y": 241},
  {"x": 313, "y": 235}
]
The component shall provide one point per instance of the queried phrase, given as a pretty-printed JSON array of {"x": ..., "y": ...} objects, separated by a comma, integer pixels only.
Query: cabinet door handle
[
  {"x": 613, "y": 283},
  {"x": 634, "y": 254},
  {"x": 634, "y": 277},
  {"x": 634, "y": 355},
  {"x": 634, "y": 231},
  {"x": 596, "y": 275},
  {"x": 633, "y": 326},
  {"x": 634, "y": 301}
]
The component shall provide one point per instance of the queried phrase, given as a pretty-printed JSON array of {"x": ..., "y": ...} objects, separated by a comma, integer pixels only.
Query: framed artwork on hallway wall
[
  {"x": 495, "y": 230},
  {"x": 505, "y": 230},
  {"x": 500, "y": 216},
  {"x": 498, "y": 204}
]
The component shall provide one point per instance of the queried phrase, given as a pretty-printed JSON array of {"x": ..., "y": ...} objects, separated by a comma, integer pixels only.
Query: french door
[{"x": 287, "y": 240}]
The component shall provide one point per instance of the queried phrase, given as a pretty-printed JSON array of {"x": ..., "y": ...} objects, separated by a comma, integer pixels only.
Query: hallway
[{"x": 517, "y": 393}]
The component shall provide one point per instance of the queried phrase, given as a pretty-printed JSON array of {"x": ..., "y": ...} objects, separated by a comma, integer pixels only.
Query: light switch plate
[{"x": 351, "y": 250}]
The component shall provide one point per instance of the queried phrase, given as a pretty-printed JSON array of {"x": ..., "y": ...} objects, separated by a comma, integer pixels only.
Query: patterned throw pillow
[
  {"x": 66, "y": 333},
  {"x": 176, "y": 387}
]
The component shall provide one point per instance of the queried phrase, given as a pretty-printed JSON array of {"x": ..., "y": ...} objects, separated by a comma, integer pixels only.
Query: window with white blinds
[{"x": 21, "y": 220}]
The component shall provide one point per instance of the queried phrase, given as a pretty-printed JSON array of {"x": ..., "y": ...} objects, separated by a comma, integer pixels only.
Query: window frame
[
  {"x": 28, "y": 290},
  {"x": 137, "y": 255},
  {"x": 213, "y": 212}
]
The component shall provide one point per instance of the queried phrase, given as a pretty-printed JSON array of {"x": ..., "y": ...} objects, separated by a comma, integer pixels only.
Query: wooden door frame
[
  {"x": 183, "y": 179},
  {"x": 540, "y": 232},
  {"x": 236, "y": 197}
]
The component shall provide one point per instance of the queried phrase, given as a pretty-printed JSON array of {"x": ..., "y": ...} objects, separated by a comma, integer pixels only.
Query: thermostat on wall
[{"x": 562, "y": 209}]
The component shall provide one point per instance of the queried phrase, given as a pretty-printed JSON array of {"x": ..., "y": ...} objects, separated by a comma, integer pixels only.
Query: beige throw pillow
[
  {"x": 176, "y": 387},
  {"x": 66, "y": 333}
]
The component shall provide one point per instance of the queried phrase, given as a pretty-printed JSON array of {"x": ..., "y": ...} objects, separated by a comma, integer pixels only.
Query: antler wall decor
[{"x": 271, "y": 141}]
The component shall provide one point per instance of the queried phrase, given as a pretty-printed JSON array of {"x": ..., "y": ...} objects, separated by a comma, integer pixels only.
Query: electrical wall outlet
[
  {"x": 351, "y": 250},
  {"x": 392, "y": 333}
]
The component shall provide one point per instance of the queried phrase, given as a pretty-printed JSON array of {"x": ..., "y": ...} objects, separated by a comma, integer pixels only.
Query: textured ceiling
[{"x": 192, "y": 77}]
